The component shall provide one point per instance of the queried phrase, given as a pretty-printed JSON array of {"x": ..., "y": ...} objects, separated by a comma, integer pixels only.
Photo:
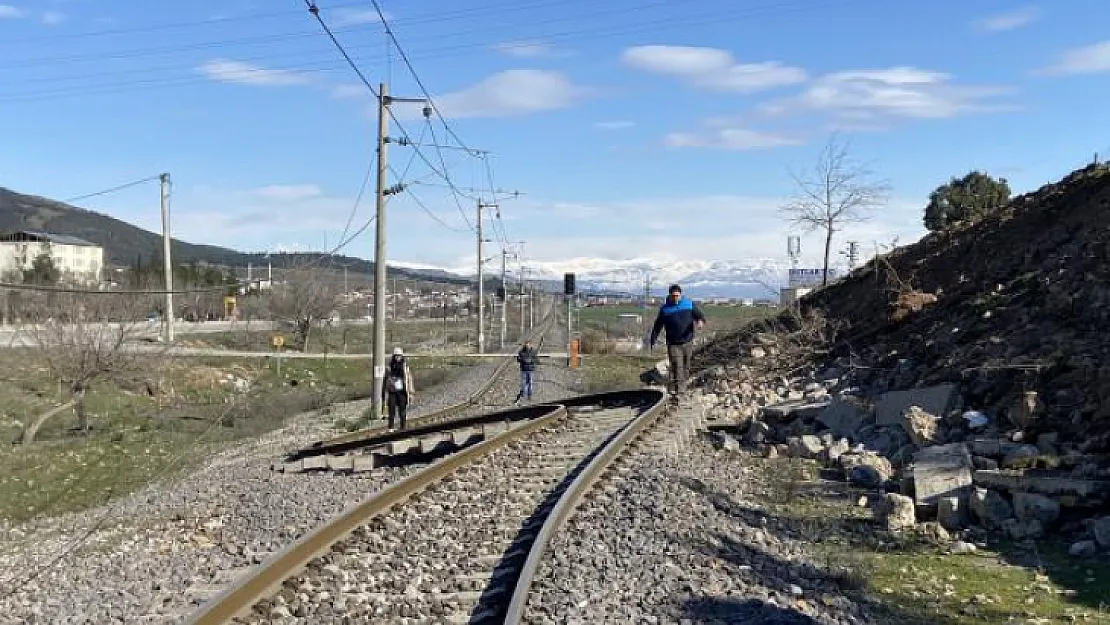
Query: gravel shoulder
[
  {"x": 154, "y": 556},
  {"x": 688, "y": 538}
]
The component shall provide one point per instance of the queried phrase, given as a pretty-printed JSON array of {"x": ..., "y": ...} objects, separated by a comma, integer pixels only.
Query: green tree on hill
[
  {"x": 43, "y": 271},
  {"x": 966, "y": 199}
]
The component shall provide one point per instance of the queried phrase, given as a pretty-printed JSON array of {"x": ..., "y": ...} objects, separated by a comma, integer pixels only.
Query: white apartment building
[{"x": 79, "y": 260}]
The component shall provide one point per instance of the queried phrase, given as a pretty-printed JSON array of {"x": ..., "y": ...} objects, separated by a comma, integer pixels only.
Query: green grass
[
  {"x": 352, "y": 339},
  {"x": 137, "y": 437},
  {"x": 611, "y": 372},
  {"x": 425, "y": 335},
  {"x": 919, "y": 583},
  {"x": 606, "y": 319}
]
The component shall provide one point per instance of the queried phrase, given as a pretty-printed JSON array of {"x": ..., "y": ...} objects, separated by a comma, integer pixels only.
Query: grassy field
[
  {"x": 919, "y": 582},
  {"x": 158, "y": 421},
  {"x": 603, "y": 324},
  {"x": 613, "y": 372},
  {"x": 412, "y": 335}
]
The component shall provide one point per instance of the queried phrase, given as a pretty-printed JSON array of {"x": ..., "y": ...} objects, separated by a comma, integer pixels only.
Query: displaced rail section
[
  {"x": 448, "y": 543},
  {"x": 370, "y": 436}
]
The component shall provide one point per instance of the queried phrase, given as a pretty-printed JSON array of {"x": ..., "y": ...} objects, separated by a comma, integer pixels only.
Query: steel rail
[
  {"x": 268, "y": 576},
  {"x": 349, "y": 441},
  {"x": 574, "y": 495}
]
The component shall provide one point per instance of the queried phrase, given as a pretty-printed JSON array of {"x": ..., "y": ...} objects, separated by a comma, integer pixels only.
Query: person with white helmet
[{"x": 398, "y": 389}]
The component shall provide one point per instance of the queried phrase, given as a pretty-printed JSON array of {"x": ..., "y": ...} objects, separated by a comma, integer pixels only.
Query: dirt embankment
[{"x": 1017, "y": 302}]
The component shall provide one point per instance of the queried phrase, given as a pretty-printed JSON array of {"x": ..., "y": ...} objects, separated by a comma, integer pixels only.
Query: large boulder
[
  {"x": 922, "y": 427},
  {"x": 1101, "y": 529},
  {"x": 1034, "y": 507},
  {"x": 806, "y": 446},
  {"x": 895, "y": 512},
  {"x": 990, "y": 508},
  {"x": 865, "y": 468}
]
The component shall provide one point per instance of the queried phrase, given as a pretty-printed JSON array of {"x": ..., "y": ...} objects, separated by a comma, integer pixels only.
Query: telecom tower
[
  {"x": 794, "y": 250},
  {"x": 853, "y": 254}
]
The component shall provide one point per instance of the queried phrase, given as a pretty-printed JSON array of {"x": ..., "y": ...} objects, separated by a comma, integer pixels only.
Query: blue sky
[{"x": 662, "y": 128}]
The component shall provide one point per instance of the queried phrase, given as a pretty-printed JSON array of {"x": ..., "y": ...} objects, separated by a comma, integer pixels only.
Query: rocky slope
[{"x": 1013, "y": 304}]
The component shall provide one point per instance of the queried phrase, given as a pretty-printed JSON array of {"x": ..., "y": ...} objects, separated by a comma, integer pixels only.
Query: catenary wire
[
  {"x": 314, "y": 10},
  {"x": 452, "y": 50}
]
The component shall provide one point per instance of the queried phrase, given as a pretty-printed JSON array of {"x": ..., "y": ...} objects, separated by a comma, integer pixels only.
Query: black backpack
[{"x": 397, "y": 374}]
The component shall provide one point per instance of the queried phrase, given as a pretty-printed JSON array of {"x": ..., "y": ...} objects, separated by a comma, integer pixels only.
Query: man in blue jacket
[{"x": 679, "y": 316}]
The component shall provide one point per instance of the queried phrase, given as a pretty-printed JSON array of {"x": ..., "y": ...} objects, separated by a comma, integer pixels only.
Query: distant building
[{"x": 78, "y": 260}]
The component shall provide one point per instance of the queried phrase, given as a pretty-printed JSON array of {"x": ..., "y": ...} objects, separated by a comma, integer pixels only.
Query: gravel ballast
[
  {"x": 156, "y": 555},
  {"x": 683, "y": 538}
]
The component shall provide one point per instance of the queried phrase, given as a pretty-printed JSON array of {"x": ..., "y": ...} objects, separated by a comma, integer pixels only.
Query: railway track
[
  {"x": 457, "y": 542},
  {"x": 472, "y": 403}
]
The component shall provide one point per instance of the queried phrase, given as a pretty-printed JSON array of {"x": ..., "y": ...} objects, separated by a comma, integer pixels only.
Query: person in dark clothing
[
  {"x": 398, "y": 389},
  {"x": 679, "y": 317},
  {"x": 526, "y": 357}
]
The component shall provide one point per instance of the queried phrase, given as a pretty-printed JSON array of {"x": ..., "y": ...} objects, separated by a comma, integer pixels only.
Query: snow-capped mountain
[{"x": 755, "y": 278}]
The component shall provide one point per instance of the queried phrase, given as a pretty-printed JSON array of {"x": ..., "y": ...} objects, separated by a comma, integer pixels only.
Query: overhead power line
[
  {"x": 416, "y": 76},
  {"x": 444, "y": 173},
  {"x": 626, "y": 27},
  {"x": 431, "y": 17},
  {"x": 126, "y": 185}
]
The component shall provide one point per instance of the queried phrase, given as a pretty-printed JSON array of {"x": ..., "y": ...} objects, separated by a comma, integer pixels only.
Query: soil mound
[{"x": 1018, "y": 302}]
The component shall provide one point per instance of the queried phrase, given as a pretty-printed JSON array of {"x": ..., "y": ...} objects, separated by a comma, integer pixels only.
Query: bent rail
[
  {"x": 573, "y": 497},
  {"x": 286, "y": 563},
  {"x": 357, "y": 438}
]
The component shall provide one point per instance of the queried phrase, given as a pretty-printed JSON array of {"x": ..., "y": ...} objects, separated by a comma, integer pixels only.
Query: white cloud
[
  {"x": 7, "y": 11},
  {"x": 712, "y": 68},
  {"x": 508, "y": 93},
  {"x": 529, "y": 49},
  {"x": 860, "y": 96},
  {"x": 713, "y": 227},
  {"x": 1010, "y": 20},
  {"x": 354, "y": 17},
  {"x": 351, "y": 91},
  {"x": 730, "y": 139},
  {"x": 246, "y": 74},
  {"x": 53, "y": 18},
  {"x": 289, "y": 193},
  {"x": 1092, "y": 59},
  {"x": 619, "y": 124},
  {"x": 705, "y": 227}
]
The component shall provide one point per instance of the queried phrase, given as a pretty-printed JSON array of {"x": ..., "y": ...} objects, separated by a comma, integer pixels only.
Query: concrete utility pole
[
  {"x": 505, "y": 254},
  {"x": 167, "y": 315},
  {"x": 521, "y": 291},
  {"x": 378, "y": 358},
  {"x": 482, "y": 279}
]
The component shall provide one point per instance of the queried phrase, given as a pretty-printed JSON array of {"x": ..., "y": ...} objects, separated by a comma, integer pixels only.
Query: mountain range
[
  {"x": 759, "y": 278},
  {"x": 126, "y": 244}
]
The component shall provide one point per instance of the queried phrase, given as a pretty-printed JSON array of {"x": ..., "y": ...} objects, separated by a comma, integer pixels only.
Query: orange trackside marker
[{"x": 574, "y": 354}]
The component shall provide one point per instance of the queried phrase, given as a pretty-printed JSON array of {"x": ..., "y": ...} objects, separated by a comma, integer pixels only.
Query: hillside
[
  {"x": 1017, "y": 302},
  {"x": 123, "y": 243}
]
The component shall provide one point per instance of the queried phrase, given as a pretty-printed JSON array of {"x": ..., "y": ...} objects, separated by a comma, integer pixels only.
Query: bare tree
[
  {"x": 83, "y": 339},
  {"x": 838, "y": 191},
  {"x": 304, "y": 298}
]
